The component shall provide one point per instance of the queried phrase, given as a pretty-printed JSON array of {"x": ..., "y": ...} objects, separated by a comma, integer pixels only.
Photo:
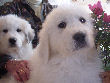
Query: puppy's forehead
[
  {"x": 69, "y": 13},
  {"x": 12, "y": 22}
]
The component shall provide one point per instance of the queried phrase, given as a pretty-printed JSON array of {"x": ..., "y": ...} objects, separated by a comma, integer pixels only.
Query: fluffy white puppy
[
  {"x": 15, "y": 38},
  {"x": 66, "y": 52}
]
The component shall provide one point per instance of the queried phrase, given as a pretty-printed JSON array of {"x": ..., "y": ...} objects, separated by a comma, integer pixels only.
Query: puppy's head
[
  {"x": 15, "y": 32},
  {"x": 67, "y": 29}
]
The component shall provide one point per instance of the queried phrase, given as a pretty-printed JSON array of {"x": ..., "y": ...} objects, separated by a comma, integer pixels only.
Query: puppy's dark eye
[
  {"x": 5, "y": 30},
  {"x": 62, "y": 25},
  {"x": 82, "y": 20},
  {"x": 18, "y": 30}
]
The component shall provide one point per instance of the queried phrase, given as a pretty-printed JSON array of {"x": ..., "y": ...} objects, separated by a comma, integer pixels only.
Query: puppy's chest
[
  {"x": 67, "y": 70},
  {"x": 22, "y": 54}
]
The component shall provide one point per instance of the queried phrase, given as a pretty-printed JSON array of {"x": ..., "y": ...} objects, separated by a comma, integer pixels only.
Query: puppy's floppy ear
[
  {"x": 44, "y": 46},
  {"x": 29, "y": 33}
]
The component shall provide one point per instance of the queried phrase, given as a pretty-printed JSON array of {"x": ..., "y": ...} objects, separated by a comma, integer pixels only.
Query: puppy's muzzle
[
  {"x": 80, "y": 40},
  {"x": 12, "y": 42}
]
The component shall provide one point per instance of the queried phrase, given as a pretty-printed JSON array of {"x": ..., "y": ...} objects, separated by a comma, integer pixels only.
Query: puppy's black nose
[
  {"x": 79, "y": 37},
  {"x": 12, "y": 41}
]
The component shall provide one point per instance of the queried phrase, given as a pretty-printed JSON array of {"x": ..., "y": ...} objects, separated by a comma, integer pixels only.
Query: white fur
[
  {"x": 23, "y": 48},
  {"x": 56, "y": 58}
]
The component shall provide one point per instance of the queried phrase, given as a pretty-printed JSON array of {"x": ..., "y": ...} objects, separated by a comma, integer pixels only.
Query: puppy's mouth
[
  {"x": 12, "y": 46},
  {"x": 79, "y": 45},
  {"x": 15, "y": 46}
]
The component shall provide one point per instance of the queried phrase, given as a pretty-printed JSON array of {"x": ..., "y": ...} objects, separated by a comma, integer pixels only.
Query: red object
[
  {"x": 106, "y": 18},
  {"x": 19, "y": 69},
  {"x": 105, "y": 77},
  {"x": 96, "y": 8}
]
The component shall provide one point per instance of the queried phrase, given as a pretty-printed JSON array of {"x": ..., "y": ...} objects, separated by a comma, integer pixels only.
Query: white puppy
[
  {"x": 15, "y": 38},
  {"x": 66, "y": 52}
]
